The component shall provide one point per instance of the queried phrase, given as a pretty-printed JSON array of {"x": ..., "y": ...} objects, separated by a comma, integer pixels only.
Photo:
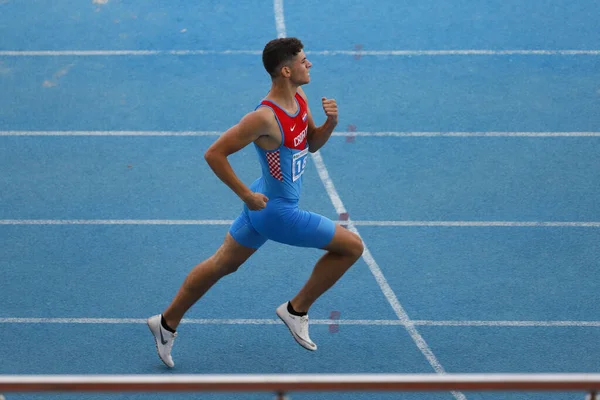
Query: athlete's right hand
[{"x": 256, "y": 201}]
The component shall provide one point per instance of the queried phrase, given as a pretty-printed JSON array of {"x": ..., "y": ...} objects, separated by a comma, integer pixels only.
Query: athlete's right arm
[{"x": 251, "y": 127}]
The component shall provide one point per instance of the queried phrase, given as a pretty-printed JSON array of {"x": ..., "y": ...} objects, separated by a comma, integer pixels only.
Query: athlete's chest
[
  {"x": 293, "y": 127},
  {"x": 295, "y": 134}
]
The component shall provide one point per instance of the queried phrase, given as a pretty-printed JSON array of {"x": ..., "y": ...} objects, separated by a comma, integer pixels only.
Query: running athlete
[{"x": 283, "y": 133}]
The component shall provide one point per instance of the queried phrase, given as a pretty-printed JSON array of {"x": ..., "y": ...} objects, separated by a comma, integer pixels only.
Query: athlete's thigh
[
  {"x": 233, "y": 253},
  {"x": 315, "y": 230},
  {"x": 300, "y": 228},
  {"x": 243, "y": 235}
]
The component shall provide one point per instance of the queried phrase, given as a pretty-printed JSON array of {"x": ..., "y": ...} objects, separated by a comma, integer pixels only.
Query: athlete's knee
[
  {"x": 347, "y": 244},
  {"x": 226, "y": 262},
  {"x": 355, "y": 246},
  {"x": 230, "y": 256}
]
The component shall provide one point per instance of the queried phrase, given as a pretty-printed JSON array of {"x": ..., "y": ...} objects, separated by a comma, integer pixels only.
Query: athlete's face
[{"x": 300, "y": 69}]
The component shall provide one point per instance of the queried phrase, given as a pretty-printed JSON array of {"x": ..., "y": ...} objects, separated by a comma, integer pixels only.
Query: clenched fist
[
  {"x": 330, "y": 108},
  {"x": 256, "y": 201}
]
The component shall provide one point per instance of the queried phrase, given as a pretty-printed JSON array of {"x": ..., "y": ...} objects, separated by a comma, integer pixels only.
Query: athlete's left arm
[{"x": 317, "y": 136}]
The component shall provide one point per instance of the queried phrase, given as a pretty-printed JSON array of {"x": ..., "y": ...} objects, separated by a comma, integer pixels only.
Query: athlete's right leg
[{"x": 240, "y": 243}]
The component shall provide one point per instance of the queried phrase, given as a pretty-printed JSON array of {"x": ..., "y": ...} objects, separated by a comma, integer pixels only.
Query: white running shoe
[
  {"x": 163, "y": 338},
  {"x": 298, "y": 326}
]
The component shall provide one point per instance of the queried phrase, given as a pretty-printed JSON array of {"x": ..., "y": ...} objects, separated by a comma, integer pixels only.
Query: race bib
[{"x": 299, "y": 163}]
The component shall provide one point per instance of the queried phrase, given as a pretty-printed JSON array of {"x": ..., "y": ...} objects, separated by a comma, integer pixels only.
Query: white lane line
[
  {"x": 111, "y": 53},
  {"x": 342, "y": 134},
  {"x": 280, "y": 24},
  {"x": 378, "y": 274},
  {"x": 279, "y": 18},
  {"x": 468, "y": 134},
  {"x": 459, "y": 52},
  {"x": 338, "y": 206},
  {"x": 511, "y": 224},
  {"x": 114, "y": 222},
  {"x": 110, "y": 133},
  {"x": 264, "y": 321},
  {"x": 594, "y": 324},
  {"x": 375, "y": 270}
]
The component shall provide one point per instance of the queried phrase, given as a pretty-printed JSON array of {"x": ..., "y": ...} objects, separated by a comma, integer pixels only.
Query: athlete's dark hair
[{"x": 279, "y": 51}]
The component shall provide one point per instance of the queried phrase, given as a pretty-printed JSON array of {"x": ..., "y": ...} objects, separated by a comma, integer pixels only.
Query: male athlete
[{"x": 283, "y": 133}]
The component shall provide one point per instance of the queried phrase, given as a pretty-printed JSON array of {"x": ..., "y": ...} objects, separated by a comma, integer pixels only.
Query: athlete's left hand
[{"x": 330, "y": 108}]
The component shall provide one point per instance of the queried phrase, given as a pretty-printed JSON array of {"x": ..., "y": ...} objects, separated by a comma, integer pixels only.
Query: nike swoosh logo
[
  {"x": 293, "y": 127},
  {"x": 162, "y": 339}
]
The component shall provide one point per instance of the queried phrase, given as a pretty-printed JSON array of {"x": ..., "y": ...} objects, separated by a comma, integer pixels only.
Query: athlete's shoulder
[
  {"x": 264, "y": 113},
  {"x": 260, "y": 120},
  {"x": 261, "y": 116}
]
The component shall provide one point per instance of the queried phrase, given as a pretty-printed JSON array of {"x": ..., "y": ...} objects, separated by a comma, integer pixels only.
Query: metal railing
[{"x": 281, "y": 384}]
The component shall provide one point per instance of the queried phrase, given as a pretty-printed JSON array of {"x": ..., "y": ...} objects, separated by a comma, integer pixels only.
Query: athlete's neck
[{"x": 283, "y": 93}]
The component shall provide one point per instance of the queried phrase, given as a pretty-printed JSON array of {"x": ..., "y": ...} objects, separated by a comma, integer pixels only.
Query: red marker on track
[
  {"x": 358, "y": 49},
  {"x": 334, "y": 316},
  {"x": 350, "y": 138}
]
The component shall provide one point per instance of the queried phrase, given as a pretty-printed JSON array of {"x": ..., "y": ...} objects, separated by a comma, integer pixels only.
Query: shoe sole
[
  {"x": 296, "y": 338},
  {"x": 156, "y": 345}
]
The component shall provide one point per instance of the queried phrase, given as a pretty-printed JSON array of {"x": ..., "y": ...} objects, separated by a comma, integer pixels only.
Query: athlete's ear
[{"x": 286, "y": 71}]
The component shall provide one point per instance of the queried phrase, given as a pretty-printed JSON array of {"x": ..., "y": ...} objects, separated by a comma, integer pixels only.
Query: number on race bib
[{"x": 299, "y": 163}]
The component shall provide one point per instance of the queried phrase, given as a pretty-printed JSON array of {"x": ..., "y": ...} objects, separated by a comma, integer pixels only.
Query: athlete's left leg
[
  {"x": 343, "y": 249},
  {"x": 342, "y": 252}
]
